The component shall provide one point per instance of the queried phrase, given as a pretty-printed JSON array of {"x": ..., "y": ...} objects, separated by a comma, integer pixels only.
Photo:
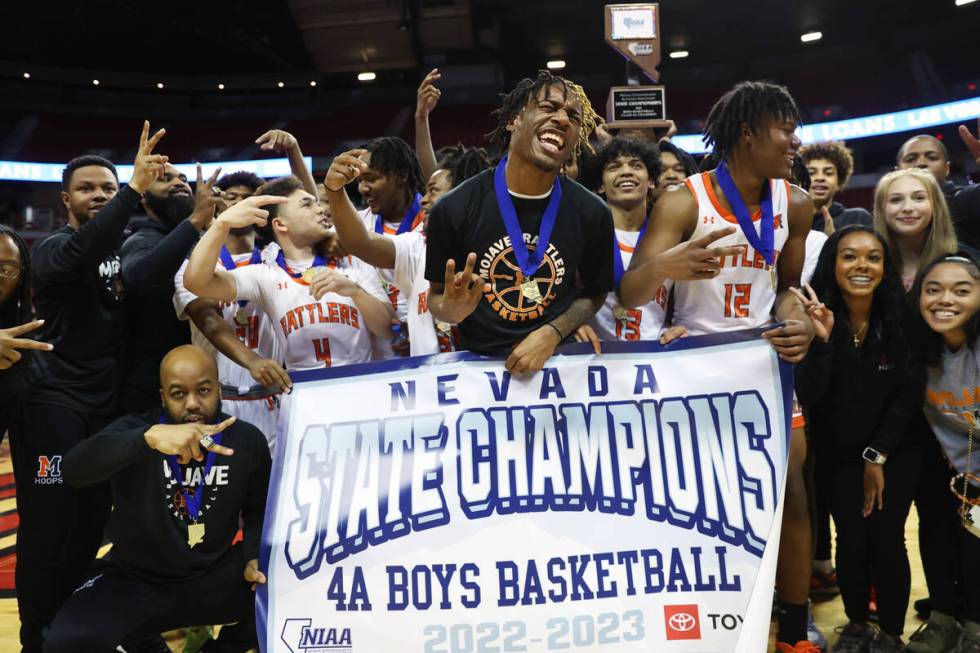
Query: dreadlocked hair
[
  {"x": 18, "y": 309},
  {"x": 752, "y": 103},
  {"x": 391, "y": 155},
  {"x": 469, "y": 162},
  {"x": 515, "y": 102}
]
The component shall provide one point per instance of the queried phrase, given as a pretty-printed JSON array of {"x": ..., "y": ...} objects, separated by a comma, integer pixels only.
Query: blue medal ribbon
[
  {"x": 407, "y": 220},
  {"x": 318, "y": 261},
  {"x": 618, "y": 266},
  {"x": 193, "y": 499},
  {"x": 528, "y": 262},
  {"x": 229, "y": 263},
  {"x": 763, "y": 241}
]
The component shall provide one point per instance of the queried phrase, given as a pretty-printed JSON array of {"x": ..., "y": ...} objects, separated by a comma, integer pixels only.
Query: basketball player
[
  {"x": 404, "y": 253},
  {"x": 542, "y": 244},
  {"x": 391, "y": 186},
  {"x": 248, "y": 352},
  {"x": 628, "y": 169},
  {"x": 325, "y": 309},
  {"x": 745, "y": 278}
]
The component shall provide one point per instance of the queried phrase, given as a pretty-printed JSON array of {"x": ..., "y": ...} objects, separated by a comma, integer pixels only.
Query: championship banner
[{"x": 622, "y": 503}]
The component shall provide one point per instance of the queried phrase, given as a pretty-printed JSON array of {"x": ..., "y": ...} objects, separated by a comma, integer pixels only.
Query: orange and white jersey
[
  {"x": 250, "y": 322},
  {"x": 313, "y": 334},
  {"x": 743, "y": 294},
  {"x": 398, "y": 301},
  {"x": 613, "y": 322},
  {"x": 425, "y": 335}
]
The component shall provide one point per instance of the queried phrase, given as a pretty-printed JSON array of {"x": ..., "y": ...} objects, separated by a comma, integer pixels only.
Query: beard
[
  {"x": 171, "y": 209},
  {"x": 184, "y": 417}
]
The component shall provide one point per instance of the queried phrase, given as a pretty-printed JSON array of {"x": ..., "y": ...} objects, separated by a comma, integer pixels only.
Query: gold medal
[
  {"x": 308, "y": 274},
  {"x": 772, "y": 276},
  {"x": 620, "y": 312},
  {"x": 195, "y": 534},
  {"x": 529, "y": 288},
  {"x": 241, "y": 317}
]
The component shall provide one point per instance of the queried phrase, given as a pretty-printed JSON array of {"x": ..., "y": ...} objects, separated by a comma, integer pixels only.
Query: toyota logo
[{"x": 682, "y": 622}]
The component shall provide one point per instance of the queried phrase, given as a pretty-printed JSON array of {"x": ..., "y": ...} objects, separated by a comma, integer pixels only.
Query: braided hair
[
  {"x": 753, "y": 103},
  {"x": 391, "y": 155},
  {"x": 515, "y": 102},
  {"x": 469, "y": 162},
  {"x": 18, "y": 309}
]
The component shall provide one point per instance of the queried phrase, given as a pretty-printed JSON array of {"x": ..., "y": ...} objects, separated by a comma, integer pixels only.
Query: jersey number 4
[
  {"x": 737, "y": 298},
  {"x": 322, "y": 350}
]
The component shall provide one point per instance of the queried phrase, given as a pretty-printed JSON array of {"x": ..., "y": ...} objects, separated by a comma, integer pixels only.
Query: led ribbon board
[
  {"x": 879, "y": 125},
  {"x": 51, "y": 172}
]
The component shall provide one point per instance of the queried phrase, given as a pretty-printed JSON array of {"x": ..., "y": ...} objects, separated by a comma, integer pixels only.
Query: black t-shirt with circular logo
[{"x": 578, "y": 259}]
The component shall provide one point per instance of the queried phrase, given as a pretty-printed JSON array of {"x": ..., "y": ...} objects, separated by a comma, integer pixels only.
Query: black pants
[
  {"x": 60, "y": 527},
  {"x": 969, "y": 550},
  {"x": 113, "y": 606},
  {"x": 939, "y": 527},
  {"x": 871, "y": 550},
  {"x": 822, "y": 472}
]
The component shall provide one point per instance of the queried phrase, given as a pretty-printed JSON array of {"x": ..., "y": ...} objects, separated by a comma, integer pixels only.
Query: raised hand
[
  {"x": 428, "y": 94},
  {"x": 184, "y": 440},
  {"x": 207, "y": 203},
  {"x": 822, "y": 317},
  {"x": 344, "y": 169},
  {"x": 970, "y": 141},
  {"x": 249, "y": 212},
  {"x": 828, "y": 221},
  {"x": 329, "y": 280},
  {"x": 147, "y": 166},
  {"x": 463, "y": 290},
  {"x": 694, "y": 259},
  {"x": 276, "y": 140},
  {"x": 10, "y": 342}
]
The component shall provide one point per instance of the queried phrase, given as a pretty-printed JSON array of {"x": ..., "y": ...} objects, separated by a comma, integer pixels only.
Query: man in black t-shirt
[
  {"x": 72, "y": 390},
  {"x": 528, "y": 296},
  {"x": 182, "y": 478}
]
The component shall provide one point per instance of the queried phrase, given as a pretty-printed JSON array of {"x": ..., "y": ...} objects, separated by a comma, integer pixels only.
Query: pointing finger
[
  {"x": 21, "y": 329},
  {"x": 154, "y": 140},
  {"x": 220, "y": 450},
  {"x": 712, "y": 236},
  {"x": 144, "y": 134},
  {"x": 223, "y": 425},
  {"x": 200, "y": 177},
  {"x": 214, "y": 177},
  {"x": 262, "y": 200},
  {"x": 24, "y": 343}
]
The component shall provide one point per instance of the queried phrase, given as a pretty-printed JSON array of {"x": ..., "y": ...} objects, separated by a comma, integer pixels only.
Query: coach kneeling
[{"x": 180, "y": 477}]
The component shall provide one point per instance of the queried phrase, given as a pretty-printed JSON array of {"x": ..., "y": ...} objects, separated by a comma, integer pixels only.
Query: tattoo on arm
[{"x": 578, "y": 313}]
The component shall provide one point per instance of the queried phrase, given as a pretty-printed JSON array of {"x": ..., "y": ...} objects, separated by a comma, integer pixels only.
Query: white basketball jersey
[
  {"x": 314, "y": 334},
  {"x": 613, "y": 322},
  {"x": 256, "y": 333},
  {"x": 398, "y": 301},
  {"x": 742, "y": 295},
  {"x": 426, "y": 336}
]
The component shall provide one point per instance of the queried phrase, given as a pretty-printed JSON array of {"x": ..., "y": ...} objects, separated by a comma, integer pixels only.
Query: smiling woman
[
  {"x": 860, "y": 385},
  {"x": 911, "y": 214}
]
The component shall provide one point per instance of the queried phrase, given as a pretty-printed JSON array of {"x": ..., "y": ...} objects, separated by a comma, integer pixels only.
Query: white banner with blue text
[{"x": 624, "y": 502}]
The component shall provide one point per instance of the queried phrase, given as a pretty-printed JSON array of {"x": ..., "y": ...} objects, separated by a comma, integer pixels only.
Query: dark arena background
[{"x": 81, "y": 77}]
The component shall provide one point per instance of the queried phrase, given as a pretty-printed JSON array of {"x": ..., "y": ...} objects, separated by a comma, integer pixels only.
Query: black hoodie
[
  {"x": 151, "y": 257},
  {"x": 148, "y": 525}
]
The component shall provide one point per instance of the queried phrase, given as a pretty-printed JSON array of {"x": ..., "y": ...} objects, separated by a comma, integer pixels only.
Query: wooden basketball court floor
[{"x": 828, "y": 614}]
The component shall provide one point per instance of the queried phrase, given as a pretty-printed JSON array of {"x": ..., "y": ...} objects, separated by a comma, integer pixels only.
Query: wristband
[
  {"x": 331, "y": 189},
  {"x": 557, "y": 330}
]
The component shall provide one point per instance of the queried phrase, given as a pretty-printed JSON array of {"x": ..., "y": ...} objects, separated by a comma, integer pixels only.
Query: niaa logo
[{"x": 299, "y": 635}]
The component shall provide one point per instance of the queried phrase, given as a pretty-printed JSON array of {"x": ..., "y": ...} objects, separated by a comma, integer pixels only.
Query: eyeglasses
[{"x": 10, "y": 270}]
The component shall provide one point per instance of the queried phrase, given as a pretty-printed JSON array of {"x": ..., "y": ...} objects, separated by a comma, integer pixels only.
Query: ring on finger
[{"x": 207, "y": 442}]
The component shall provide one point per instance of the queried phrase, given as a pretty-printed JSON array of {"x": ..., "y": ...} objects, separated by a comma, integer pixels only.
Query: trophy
[{"x": 633, "y": 30}]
